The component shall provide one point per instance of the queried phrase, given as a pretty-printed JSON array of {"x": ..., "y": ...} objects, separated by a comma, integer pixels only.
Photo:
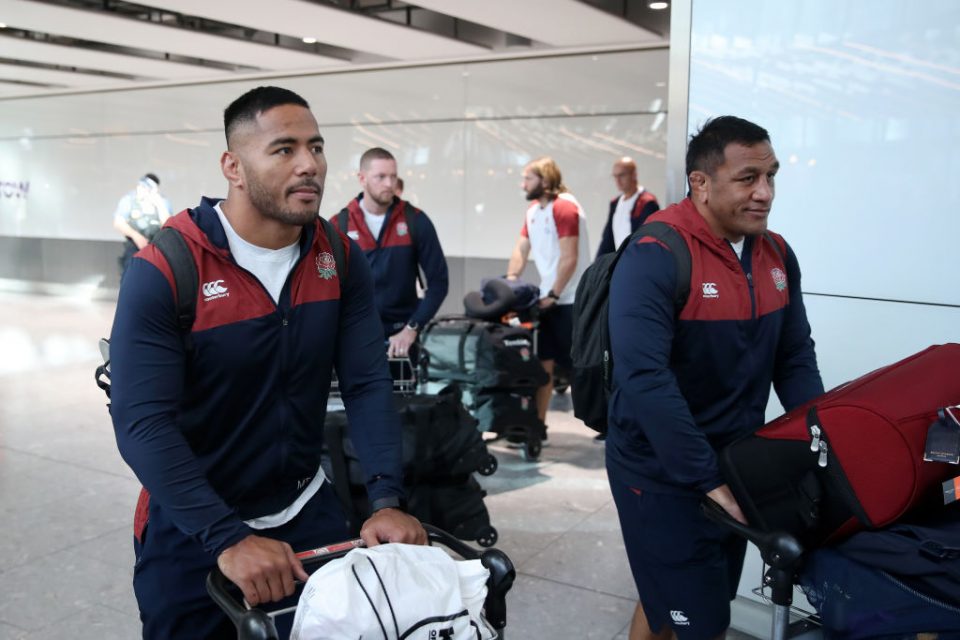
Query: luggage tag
[
  {"x": 943, "y": 438},
  {"x": 951, "y": 490}
]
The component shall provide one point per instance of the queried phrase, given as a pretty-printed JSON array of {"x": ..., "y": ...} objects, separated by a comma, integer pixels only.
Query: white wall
[
  {"x": 861, "y": 100},
  {"x": 461, "y": 132}
]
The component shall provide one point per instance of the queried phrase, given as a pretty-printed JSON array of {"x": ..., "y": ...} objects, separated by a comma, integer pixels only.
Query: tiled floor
[{"x": 66, "y": 500}]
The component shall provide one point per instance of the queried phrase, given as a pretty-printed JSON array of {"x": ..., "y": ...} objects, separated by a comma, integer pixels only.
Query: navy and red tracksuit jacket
[
  {"x": 394, "y": 262},
  {"x": 231, "y": 428},
  {"x": 683, "y": 387},
  {"x": 645, "y": 205}
]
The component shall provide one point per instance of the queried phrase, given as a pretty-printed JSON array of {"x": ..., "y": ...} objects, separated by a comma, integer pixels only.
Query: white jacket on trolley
[{"x": 394, "y": 592}]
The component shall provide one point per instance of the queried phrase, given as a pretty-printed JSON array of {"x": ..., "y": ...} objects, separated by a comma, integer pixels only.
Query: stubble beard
[{"x": 264, "y": 202}]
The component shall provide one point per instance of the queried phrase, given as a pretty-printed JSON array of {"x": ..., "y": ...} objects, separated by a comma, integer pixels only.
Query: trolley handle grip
[
  {"x": 255, "y": 624},
  {"x": 251, "y": 624},
  {"x": 778, "y": 548}
]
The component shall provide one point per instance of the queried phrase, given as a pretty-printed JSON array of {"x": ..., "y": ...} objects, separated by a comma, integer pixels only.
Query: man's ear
[
  {"x": 698, "y": 186},
  {"x": 230, "y": 166}
]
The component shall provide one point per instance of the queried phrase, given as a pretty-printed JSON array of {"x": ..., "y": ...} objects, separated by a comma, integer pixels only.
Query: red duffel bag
[{"x": 851, "y": 458}]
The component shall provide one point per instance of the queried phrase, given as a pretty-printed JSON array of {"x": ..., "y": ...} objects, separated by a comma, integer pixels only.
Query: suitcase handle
[{"x": 256, "y": 624}]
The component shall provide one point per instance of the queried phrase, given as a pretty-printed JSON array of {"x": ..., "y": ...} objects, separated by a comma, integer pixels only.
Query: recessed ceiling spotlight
[
  {"x": 655, "y": 5},
  {"x": 310, "y": 40}
]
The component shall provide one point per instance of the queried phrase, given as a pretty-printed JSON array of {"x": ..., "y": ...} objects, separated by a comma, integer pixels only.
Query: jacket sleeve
[
  {"x": 606, "y": 238},
  {"x": 147, "y": 362},
  {"x": 796, "y": 377},
  {"x": 366, "y": 385},
  {"x": 647, "y": 402},
  {"x": 431, "y": 258}
]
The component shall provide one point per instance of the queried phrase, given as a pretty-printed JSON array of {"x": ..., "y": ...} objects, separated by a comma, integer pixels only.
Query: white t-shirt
[
  {"x": 271, "y": 267},
  {"x": 738, "y": 247},
  {"x": 544, "y": 226},
  {"x": 374, "y": 221},
  {"x": 621, "y": 219}
]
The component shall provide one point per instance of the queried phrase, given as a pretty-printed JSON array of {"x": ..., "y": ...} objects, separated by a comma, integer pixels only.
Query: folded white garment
[{"x": 394, "y": 592}]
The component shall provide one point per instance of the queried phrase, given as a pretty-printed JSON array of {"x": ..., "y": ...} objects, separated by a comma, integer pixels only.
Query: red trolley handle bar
[{"x": 255, "y": 624}]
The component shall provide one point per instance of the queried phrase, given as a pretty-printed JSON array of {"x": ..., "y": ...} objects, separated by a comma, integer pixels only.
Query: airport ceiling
[{"x": 52, "y": 45}]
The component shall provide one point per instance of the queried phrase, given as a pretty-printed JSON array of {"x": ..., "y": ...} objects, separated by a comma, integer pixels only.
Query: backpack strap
[
  {"x": 343, "y": 220},
  {"x": 408, "y": 216},
  {"x": 175, "y": 251},
  {"x": 664, "y": 233},
  {"x": 337, "y": 244}
]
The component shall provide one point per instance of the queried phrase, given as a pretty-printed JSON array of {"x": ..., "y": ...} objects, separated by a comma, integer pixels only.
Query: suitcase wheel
[
  {"x": 531, "y": 450},
  {"x": 489, "y": 466},
  {"x": 488, "y": 537}
]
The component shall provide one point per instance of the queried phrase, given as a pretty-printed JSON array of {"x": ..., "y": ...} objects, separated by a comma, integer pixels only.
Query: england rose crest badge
[
  {"x": 779, "y": 278},
  {"x": 402, "y": 228},
  {"x": 326, "y": 266}
]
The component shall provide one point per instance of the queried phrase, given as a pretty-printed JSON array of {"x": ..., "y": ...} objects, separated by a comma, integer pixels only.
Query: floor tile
[{"x": 538, "y": 608}]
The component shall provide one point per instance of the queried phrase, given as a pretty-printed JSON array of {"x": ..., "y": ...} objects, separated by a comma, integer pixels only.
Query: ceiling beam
[
  {"x": 559, "y": 23},
  {"x": 66, "y": 56},
  {"x": 329, "y": 25},
  {"x": 98, "y": 26}
]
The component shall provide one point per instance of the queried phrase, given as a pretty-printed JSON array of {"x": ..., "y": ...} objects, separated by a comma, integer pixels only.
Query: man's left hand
[
  {"x": 392, "y": 525},
  {"x": 547, "y": 302},
  {"x": 400, "y": 342}
]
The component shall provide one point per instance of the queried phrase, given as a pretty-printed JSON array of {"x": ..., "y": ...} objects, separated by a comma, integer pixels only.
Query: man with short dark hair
[
  {"x": 399, "y": 240},
  {"x": 554, "y": 234},
  {"x": 687, "y": 382},
  {"x": 223, "y": 426},
  {"x": 628, "y": 210}
]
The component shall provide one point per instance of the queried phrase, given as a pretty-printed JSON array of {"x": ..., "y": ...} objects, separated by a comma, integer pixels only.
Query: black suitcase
[{"x": 441, "y": 448}]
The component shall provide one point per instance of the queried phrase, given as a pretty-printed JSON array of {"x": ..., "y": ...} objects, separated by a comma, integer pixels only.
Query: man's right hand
[
  {"x": 263, "y": 568},
  {"x": 724, "y": 497}
]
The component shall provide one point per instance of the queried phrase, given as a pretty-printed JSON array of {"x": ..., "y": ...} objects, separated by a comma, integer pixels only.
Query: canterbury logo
[
  {"x": 517, "y": 342},
  {"x": 679, "y": 618},
  {"x": 710, "y": 290},
  {"x": 213, "y": 290}
]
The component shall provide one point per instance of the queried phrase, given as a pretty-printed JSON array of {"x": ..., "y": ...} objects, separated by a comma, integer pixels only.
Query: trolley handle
[{"x": 255, "y": 624}]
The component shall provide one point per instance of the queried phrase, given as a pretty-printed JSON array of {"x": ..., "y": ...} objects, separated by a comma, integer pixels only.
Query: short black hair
[
  {"x": 152, "y": 176},
  {"x": 376, "y": 153},
  {"x": 247, "y": 107},
  {"x": 706, "y": 148}
]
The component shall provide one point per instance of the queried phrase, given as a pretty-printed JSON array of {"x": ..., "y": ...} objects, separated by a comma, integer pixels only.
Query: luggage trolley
[
  {"x": 438, "y": 464},
  {"x": 491, "y": 354},
  {"x": 253, "y": 623}
]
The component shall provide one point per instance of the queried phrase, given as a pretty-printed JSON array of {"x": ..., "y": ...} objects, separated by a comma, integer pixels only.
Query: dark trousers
[{"x": 169, "y": 578}]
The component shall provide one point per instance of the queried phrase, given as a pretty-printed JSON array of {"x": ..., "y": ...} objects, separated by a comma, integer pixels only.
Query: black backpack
[
  {"x": 170, "y": 243},
  {"x": 592, "y": 360}
]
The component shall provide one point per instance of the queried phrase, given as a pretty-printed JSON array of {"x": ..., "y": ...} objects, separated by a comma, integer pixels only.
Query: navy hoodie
[
  {"x": 395, "y": 263},
  {"x": 232, "y": 428},
  {"x": 685, "y": 387}
]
